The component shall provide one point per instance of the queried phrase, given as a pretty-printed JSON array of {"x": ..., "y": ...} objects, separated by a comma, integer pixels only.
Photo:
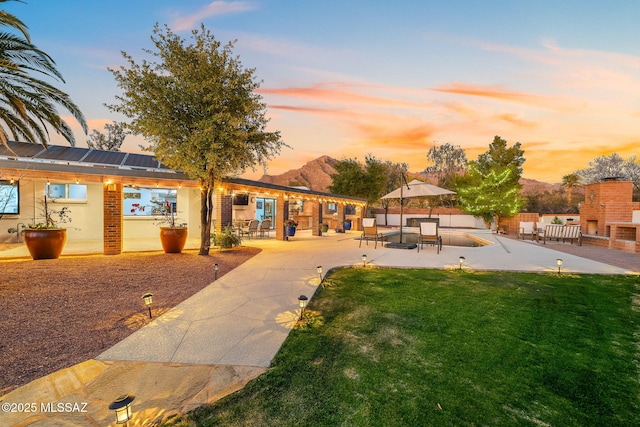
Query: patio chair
[
  {"x": 526, "y": 228},
  {"x": 370, "y": 232},
  {"x": 429, "y": 234},
  {"x": 265, "y": 227},
  {"x": 250, "y": 229}
]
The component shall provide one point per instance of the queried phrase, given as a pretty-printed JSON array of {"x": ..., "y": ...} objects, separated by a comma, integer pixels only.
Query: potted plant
[
  {"x": 45, "y": 240},
  {"x": 324, "y": 228},
  {"x": 290, "y": 227},
  {"x": 173, "y": 235}
]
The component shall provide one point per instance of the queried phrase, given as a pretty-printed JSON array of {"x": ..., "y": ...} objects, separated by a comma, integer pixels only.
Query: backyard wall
[{"x": 449, "y": 217}]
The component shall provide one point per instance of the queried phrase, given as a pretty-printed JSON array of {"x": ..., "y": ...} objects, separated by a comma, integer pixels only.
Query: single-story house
[{"x": 113, "y": 196}]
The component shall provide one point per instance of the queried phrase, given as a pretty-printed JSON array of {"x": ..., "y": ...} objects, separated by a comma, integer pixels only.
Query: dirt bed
[{"x": 56, "y": 313}]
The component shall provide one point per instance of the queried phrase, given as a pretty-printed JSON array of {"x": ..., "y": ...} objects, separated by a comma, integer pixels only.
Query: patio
[{"x": 228, "y": 333}]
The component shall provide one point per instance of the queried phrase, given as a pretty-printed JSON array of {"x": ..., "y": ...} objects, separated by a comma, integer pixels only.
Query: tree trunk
[{"x": 206, "y": 214}]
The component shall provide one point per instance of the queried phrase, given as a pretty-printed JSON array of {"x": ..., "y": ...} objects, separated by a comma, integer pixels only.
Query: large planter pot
[
  {"x": 173, "y": 239},
  {"x": 290, "y": 231},
  {"x": 324, "y": 228},
  {"x": 45, "y": 244}
]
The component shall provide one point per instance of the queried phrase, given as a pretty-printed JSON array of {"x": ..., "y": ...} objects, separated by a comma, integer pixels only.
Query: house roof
[{"x": 88, "y": 161}]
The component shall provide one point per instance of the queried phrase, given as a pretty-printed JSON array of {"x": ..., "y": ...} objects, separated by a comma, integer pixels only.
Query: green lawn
[{"x": 406, "y": 347}]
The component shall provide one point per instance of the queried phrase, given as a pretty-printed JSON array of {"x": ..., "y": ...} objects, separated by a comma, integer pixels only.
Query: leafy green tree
[
  {"x": 490, "y": 188},
  {"x": 448, "y": 161},
  {"x": 28, "y": 104},
  {"x": 370, "y": 180},
  {"x": 489, "y": 196},
  {"x": 196, "y": 105},
  {"x": 500, "y": 156},
  {"x": 113, "y": 139}
]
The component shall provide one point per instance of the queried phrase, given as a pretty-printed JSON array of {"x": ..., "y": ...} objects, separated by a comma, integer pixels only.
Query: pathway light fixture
[
  {"x": 215, "y": 271},
  {"x": 302, "y": 302},
  {"x": 460, "y": 262},
  {"x": 559, "y": 264},
  {"x": 148, "y": 300},
  {"x": 364, "y": 260},
  {"x": 122, "y": 408},
  {"x": 319, "y": 271}
]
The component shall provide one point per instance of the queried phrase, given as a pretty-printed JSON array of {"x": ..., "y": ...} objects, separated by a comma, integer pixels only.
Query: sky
[{"x": 349, "y": 78}]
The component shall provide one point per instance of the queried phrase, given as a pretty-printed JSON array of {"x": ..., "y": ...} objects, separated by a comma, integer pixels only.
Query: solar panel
[
  {"x": 105, "y": 157},
  {"x": 22, "y": 149},
  {"x": 57, "y": 152},
  {"x": 141, "y": 161}
]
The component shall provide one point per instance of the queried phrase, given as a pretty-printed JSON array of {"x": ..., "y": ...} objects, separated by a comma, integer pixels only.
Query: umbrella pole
[{"x": 401, "y": 204}]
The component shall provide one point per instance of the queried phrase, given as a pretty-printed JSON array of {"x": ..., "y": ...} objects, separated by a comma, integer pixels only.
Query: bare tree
[{"x": 112, "y": 141}]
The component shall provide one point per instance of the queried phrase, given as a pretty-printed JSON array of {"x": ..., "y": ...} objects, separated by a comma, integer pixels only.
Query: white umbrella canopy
[{"x": 417, "y": 188}]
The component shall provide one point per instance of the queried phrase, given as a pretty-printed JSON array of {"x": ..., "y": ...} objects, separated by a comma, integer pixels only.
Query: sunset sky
[{"x": 390, "y": 78}]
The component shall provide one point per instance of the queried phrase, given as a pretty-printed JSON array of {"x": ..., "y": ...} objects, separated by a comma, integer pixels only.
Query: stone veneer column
[
  {"x": 218, "y": 208},
  {"x": 340, "y": 217},
  {"x": 113, "y": 219},
  {"x": 316, "y": 218},
  {"x": 282, "y": 213}
]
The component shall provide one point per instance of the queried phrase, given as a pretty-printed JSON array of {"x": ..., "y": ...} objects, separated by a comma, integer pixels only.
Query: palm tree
[
  {"x": 28, "y": 104},
  {"x": 569, "y": 182}
]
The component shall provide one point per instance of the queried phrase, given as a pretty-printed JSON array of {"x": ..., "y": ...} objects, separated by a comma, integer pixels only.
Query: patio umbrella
[{"x": 414, "y": 188}]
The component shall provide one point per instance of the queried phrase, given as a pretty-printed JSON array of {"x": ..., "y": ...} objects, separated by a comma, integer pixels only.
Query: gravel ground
[{"x": 56, "y": 313}]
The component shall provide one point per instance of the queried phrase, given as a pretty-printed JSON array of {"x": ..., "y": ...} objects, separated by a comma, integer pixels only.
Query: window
[
  {"x": 9, "y": 197},
  {"x": 148, "y": 201},
  {"x": 69, "y": 192}
]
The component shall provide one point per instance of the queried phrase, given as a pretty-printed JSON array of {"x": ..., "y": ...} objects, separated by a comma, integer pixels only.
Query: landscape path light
[
  {"x": 148, "y": 300},
  {"x": 364, "y": 260},
  {"x": 559, "y": 264},
  {"x": 122, "y": 408},
  {"x": 302, "y": 302},
  {"x": 319, "y": 271},
  {"x": 215, "y": 271},
  {"x": 460, "y": 262}
]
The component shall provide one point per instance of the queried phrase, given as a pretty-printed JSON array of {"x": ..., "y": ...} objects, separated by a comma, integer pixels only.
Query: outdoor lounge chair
[
  {"x": 370, "y": 232},
  {"x": 429, "y": 234},
  {"x": 250, "y": 229},
  {"x": 265, "y": 227},
  {"x": 526, "y": 228}
]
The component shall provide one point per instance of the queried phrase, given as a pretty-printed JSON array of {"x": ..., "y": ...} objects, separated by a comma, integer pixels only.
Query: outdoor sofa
[{"x": 560, "y": 232}]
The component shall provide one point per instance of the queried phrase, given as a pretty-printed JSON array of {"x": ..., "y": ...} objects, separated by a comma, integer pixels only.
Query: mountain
[{"x": 315, "y": 174}]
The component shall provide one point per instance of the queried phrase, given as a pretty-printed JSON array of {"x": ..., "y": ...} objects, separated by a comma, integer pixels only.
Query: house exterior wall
[{"x": 86, "y": 217}]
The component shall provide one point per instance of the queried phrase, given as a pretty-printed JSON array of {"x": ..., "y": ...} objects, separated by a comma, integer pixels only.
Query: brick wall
[
  {"x": 512, "y": 225},
  {"x": 608, "y": 201},
  {"x": 113, "y": 219}
]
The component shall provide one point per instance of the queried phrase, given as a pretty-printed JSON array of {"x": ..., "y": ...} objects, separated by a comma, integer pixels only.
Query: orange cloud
[
  {"x": 328, "y": 93},
  {"x": 500, "y": 93},
  {"x": 215, "y": 8}
]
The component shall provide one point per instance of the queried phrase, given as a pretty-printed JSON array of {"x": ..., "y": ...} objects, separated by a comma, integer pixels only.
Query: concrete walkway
[{"x": 228, "y": 333}]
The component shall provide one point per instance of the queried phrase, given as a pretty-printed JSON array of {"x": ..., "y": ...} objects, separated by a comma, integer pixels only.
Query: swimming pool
[{"x": 448, "y": 239}]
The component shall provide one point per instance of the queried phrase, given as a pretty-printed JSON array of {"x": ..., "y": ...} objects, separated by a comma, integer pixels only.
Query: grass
[{"x": 385, "y": 347}]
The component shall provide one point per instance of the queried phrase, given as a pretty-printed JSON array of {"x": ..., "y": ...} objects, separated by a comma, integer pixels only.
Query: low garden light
[
  {"x": 122, "y": 408},
  {"x": 460, "y": 262},
  {"x": 148, "y": 300},
  {"x": 364, "y": 260},
  {"x": 215, "y": 271},
  {"x": 319, "y": 271},
  {"x": 559, "y": 264},
  {"x": 302, "y": 302}
]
